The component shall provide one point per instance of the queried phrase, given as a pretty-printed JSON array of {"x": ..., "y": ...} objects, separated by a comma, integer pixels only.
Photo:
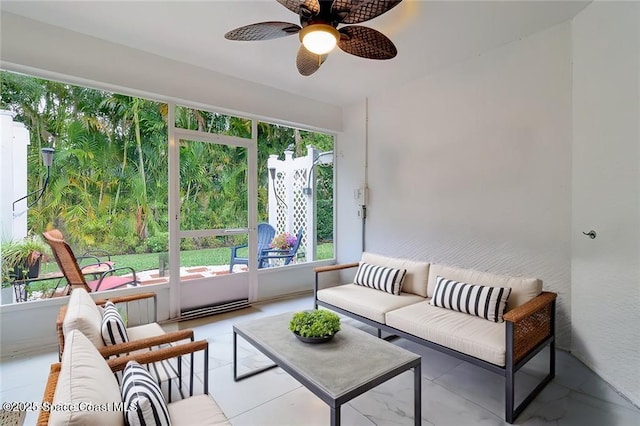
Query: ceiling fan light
[{"x": 319, "y": 38}]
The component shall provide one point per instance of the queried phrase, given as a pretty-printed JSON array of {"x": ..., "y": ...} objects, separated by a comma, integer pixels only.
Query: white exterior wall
[
  {"x": 6, "y": 169},
  {"x": 606, "y": 193},
  {"x": 14, "y": 140},
  {"x": 21, "y": 143}
]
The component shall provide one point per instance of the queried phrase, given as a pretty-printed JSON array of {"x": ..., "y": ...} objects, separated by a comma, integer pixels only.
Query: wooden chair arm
[
  {"x": 59, "y": 330},
  {"x": 49, "y": 391},
  {"x": 117, "y": 364},
  {"x": 531, "y": 307},
  {"x": 124, "y": 299},
  {"x": 123, "y": 348},
  {"x": 329, "y": 268}
]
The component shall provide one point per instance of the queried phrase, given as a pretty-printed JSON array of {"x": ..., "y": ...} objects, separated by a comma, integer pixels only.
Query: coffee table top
[{"x": 342, "y": 365}]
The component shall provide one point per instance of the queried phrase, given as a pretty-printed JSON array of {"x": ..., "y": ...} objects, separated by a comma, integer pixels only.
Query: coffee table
[{"x": 337, "y": 371}]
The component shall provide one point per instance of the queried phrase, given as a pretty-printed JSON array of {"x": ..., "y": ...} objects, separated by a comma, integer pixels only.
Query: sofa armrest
[
  {"x": 330, "y": 268},
  {"x": 531, "y": 307},
  {"x": 123, "y": 348},
  {"x": 335, "y": 267},
  {"x": 531, "y": 324}
]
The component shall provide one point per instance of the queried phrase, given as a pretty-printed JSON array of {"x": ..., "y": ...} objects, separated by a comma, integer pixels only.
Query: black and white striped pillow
[
  {"x": 113, "y": 328},
  {"x": 482, "y": 301},
  {"x": 142, "y": 397},
  {"x": 380, "y": 278}
]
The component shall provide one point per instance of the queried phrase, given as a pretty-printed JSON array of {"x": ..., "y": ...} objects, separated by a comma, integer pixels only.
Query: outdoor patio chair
[
  {"x": 85, "y": 378},
  {"x": 288, "y": 255},
  {"x": 266, "y": 232},
  {"x": 96, "y": 257},
  {"x": 75, "y": 275},
  {"x": 87, "y": 315},
  {"x": 84, "y": 313}
]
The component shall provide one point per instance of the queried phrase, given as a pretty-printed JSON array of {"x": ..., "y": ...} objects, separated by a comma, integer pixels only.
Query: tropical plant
[
  {"x": 109, "y": 180},
  {"x": 316, "y": 323}
]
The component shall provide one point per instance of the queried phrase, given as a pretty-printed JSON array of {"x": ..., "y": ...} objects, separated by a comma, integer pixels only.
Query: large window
[{"x": 108, "y": 184}]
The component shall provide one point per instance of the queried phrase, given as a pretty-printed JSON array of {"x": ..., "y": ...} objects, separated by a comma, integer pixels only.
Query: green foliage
[
  {"x": 317, "y": 323},
  {"x": 108, "y": 187},
  {"x": 21, "y": 254},
  {"x": 325, "y": 220},
  {"x": 158, "y": 243}
]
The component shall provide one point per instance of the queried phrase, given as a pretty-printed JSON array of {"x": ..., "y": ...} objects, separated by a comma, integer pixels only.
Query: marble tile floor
[{"x": 454, "y": 392}]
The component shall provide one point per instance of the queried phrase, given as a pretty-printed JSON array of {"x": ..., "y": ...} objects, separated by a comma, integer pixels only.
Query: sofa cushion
[
  {"x": 481, "y": 301},
  {"x": 364, "y": 301},
  {"x": 163, "y": 370},
  {"x": 197, "y": 410},
  {"x": 458, "y": 331},
  {"x": 143, "y": 398},
  {"x": 522, "y": 289},
  {"x": 381, "y": 278},
  {"x": 415, "y": 280},
  {"x": 113, "y": 329},
  {"x": 85, "y": 377},
  {"x": 83, "y": 314}
]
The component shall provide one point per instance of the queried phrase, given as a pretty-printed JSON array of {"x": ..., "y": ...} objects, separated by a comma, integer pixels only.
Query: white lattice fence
[{"x": 292, "y": 209}]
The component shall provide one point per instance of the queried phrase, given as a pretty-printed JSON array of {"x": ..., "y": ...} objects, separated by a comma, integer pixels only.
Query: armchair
[{"x": 84, "y": 377}]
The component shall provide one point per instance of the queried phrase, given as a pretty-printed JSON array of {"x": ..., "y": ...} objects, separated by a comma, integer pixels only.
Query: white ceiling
[{"x": 429, "y": 35}]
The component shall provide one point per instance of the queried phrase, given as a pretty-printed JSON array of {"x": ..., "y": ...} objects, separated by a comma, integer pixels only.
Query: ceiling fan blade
[
  {"x": 366, "y": 43},
  {"x": 304, "y": 8},
  {"x": 355, "y": 12},
  {"x": 308, "y": 62},
  {"x": 263, "y": 31}
]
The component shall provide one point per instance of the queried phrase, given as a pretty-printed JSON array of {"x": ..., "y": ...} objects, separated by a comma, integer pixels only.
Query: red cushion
[{"x": 109, "y": 282}]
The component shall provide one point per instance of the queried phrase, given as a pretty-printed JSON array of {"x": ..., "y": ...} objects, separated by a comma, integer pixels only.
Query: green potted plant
[
  {"x": 21, "y": 259},
  {"x": 314, "y": 326}
]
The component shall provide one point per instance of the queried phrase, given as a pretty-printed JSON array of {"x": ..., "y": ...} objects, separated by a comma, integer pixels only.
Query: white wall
[
  {"x": 30, "y": 327},
  {"x": 350, "y": 171},
  {"x": 471, "y": 166},
  {"x": 606, "y": 193},
  {"x": 26, "y": 44}
]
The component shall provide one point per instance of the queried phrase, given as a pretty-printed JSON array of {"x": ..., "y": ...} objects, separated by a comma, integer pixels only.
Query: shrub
[
  {"x": 158, "y": 243},
  {"x": 317, "y": 323}
]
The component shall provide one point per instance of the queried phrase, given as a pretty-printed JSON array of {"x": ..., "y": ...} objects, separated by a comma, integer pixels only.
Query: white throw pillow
[{"x": 482, "y": 301}]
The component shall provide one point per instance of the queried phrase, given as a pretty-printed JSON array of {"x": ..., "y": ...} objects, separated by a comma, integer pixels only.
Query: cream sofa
[{"x": 500, "y": 347}]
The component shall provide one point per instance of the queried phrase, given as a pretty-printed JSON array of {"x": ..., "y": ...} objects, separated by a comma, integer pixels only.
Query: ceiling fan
[{"x": 318, "y": 30}]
